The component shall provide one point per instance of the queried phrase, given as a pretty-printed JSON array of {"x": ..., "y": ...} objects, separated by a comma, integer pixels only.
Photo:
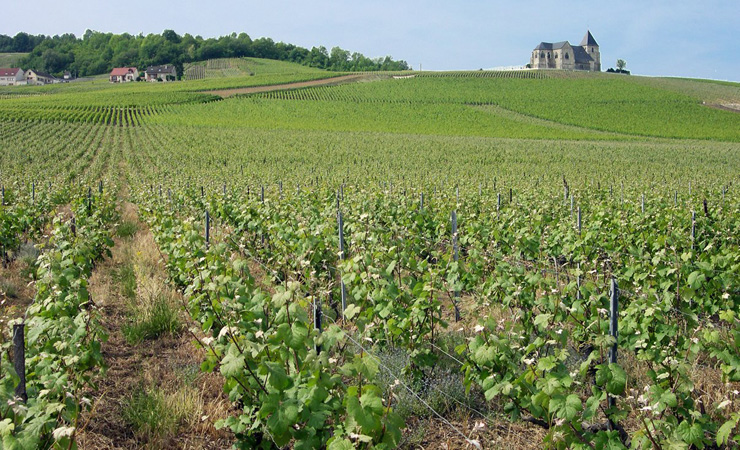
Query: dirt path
[
  {"x": 732, "y": 107},
  {"x": 278, "y": 87},
  {"x": 153, "y": 394}
]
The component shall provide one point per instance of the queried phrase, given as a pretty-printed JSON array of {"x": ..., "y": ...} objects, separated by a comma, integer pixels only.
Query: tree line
[{"x": 97, "y": 53}]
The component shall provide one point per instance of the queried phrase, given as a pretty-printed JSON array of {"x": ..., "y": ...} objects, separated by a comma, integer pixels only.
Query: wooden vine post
[
  {"x": 613, "y": 330},
  {"x": 340, "y": 224},
  {"x": 19, "y": 360},
  {"x": 455, "y": 251},
  {"x": 208, "y": 229}
]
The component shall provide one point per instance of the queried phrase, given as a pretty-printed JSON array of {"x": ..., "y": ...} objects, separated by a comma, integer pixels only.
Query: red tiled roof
[
  {"x": 9, "y": 72},
  {"x": 121, "y": 71}
]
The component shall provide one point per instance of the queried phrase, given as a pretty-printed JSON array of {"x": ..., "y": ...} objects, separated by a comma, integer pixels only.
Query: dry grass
[
  {"x": 153, "y": 394},
  {"x": 433, "y": 434},
  {"x": 16, "y": 287}
]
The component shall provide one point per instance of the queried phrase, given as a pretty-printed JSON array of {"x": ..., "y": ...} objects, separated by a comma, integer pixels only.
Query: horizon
[{"x": 693, "y": 39}]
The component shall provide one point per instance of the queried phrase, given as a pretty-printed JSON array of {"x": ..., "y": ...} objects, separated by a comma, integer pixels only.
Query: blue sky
[{"x": 671, "y": 38}]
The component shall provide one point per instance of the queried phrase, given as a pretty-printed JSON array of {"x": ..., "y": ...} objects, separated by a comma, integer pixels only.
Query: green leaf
[
  {"x": 280, "y": 421},
  {"x": 233, "y": 363},
  {"x": 390, "y": 268},
  {"x": 669, "y": 398},
  {"x": 351, "y": 311},
  {"x": 612, "y": 377},
  {"x": 608, "y": 440},
  {"x": 278, "y": 378},
  {"x": 724, "y": 432},
  {"x": 364, "y": 419},
  {"x": 542, "y": 320},
  {"x": 298, "y": 335},
  {"x": 566, "y": 407},
  {"x": 691, "y": 434},
  {"x": 341, "y": 444},
  {"x": 696, "y": 279},
  {"x": 6, "y": 427}
]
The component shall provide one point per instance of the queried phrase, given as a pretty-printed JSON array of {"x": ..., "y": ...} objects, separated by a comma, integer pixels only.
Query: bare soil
[
  {"x": 160, "y": 363},
  {"x": 732, "y": 107},
  {"x": 16, "y": 293},
  {"x": 434, "y": 434}
]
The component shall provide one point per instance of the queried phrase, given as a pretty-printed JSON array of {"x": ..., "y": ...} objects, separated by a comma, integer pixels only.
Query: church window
[
  {"x": 548, "y": 54},
  {"x": 566, "y": 56},
  {"x": 556, "y": 56},
  {"x": 542, "y": 54}
]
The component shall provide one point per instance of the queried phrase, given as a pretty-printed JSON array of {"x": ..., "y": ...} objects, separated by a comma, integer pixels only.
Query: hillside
[
  {"x": 11, "y": 59},
  {"x": 536, "y": 105}
]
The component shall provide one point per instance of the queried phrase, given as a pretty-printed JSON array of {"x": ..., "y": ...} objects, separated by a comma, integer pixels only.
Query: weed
[
  {"x": 125, "y": 277},
  {"x": 156, "y": 416},
  {"x": 154, "y": 319},
  {"x": 442, "y": 388},
  {"x": 127, "y": 229},
  {"x": 28, "y": 255},
  {"x": 8, "y": 289}
]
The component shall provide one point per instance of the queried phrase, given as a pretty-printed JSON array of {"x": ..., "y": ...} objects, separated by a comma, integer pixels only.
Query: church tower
[{"x": 592, "y": 48}]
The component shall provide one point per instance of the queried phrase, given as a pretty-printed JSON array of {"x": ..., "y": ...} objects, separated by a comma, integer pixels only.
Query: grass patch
[
  {"x": 155, "y": 318},
  {"x": 157, "y": 416},
  {"x": 8, "y": 289},
  {"x": 127, "y": 229},
  {"x": 153, "y": 309},
  {"x": 125, "y": 277}
]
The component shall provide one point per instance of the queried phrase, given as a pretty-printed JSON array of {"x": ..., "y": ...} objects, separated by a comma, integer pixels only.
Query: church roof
[
  {"x": 581, "y": 55},
  {"x": 588, "y": 39},
  {"x": 551, "y": 46}
]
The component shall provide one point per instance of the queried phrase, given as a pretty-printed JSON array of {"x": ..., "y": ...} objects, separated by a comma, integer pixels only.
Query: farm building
[
  {"x": 12, "y": 77},
  {"x": 124, "y": 74},
  {"x": 562, "y": 55},
  {"x": 38, "y": 78},
  {"x": 163, "y": 73}
]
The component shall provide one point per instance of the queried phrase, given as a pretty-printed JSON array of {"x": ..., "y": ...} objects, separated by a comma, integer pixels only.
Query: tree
[
  {"x": 22, "y": 43},
  {"x": 171, "y": 36},
  {"x": 53, "y": 61},
  {"x": 621, "y": 64},
  {"x": 338, "y": 59}
]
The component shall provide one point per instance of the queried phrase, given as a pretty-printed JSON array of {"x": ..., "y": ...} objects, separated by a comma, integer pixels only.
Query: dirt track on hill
[{"x": 225, "y": 93}]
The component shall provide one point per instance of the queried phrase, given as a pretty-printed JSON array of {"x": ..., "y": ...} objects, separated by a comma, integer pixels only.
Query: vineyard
[{"x": 433, "y": 261}]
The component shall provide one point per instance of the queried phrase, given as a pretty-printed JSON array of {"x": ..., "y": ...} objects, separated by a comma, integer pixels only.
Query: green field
[
  {"x": 560, "y": 184},
  {"x": 11, "y": 59}
]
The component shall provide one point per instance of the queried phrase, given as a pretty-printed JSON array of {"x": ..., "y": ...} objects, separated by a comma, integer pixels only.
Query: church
[{"x": 562, "y": 55}]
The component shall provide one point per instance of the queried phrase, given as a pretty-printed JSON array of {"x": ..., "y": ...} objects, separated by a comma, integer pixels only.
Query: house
[
  {"x": 164, "y": 73},
  {"x": 39, "y": 78},
  {"x": 124, "y": 74},
  {"x": 562, "y": 55},
  {"x": 12, "y": 77}
]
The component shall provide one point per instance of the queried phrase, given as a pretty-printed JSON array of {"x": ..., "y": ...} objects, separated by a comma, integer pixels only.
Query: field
[
  {"x": 11, "y": 59},
  {"x": 435, "y": 261}
]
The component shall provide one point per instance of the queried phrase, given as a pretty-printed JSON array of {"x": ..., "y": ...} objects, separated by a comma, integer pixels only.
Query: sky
[{"x": 655, "y": 37}]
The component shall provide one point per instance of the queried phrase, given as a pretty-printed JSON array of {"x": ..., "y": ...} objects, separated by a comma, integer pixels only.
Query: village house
[
  {"x": 164, "y": 73},
  {"x": 39, "y": 78},
  {"x": 562, "y": 55},
  {"x": 12, "y": 77},
  {"x": 124, "y": 74}
]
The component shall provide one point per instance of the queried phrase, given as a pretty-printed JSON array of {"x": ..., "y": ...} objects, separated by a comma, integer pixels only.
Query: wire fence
[{"x": 399, "y": 380}]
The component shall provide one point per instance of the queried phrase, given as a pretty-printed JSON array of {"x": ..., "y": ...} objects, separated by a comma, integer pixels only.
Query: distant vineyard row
[{"x": 86, "y": 114}]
